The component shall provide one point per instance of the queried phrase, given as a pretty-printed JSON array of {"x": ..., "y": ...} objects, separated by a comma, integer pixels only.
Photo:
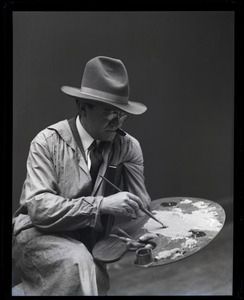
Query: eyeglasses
[{"x": 113, "y": 114}]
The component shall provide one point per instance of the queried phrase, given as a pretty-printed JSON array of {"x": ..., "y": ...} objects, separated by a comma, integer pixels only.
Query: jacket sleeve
[
  {"x": 134, "y": 180},
  {"x": 48, "y": 210}
]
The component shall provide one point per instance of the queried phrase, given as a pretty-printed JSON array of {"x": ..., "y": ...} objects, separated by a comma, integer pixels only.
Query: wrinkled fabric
[
  {"x": 58, "y": 205},
  {"x": 57, "y": 265}
]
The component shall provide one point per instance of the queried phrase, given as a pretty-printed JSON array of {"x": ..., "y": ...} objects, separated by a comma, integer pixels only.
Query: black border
[{"x": 8, "y": 7}]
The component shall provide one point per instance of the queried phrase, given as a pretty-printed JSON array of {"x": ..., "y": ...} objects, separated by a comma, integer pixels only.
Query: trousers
[{"x": 57, "y": 265}]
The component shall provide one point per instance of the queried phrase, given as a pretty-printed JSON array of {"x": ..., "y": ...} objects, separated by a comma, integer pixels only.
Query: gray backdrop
[{"x": 180, "y": 65}]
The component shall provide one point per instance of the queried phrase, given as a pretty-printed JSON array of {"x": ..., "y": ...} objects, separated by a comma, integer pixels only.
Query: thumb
[{"x": 140, "y": 213}]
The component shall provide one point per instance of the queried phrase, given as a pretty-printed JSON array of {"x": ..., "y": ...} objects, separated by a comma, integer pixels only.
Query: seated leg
[{"x": 57, "y": 265}]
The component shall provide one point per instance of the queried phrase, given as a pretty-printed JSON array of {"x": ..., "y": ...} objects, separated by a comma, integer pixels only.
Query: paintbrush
[{"x": 141, "y": 207}]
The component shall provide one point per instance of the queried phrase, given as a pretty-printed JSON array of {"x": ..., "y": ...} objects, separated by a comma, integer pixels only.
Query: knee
[{"x": 79, "y": 254}]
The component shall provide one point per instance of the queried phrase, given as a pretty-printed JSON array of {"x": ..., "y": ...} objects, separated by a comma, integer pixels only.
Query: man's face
[{"x": 101, "y": 122}]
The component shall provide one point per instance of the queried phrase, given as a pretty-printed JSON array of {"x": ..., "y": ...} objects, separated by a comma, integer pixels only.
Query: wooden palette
[{"x": 191, "y": 223}]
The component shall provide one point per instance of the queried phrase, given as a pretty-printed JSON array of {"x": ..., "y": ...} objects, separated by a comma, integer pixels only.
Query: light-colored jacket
[{"x": 56, "y": 194}]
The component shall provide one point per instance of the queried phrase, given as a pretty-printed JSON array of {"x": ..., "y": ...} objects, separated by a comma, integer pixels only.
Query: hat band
[{"x": 104, "y": 95}]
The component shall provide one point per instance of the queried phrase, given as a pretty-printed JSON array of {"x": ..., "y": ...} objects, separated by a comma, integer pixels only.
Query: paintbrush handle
[
  {"x": 142, "y": 208},
  {"x": 147, "y": 212},
  {"x": 114, "y": 186}
]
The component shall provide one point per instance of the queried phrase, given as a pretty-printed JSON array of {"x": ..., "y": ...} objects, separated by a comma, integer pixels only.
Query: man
[{"x": 63, "y": 201}]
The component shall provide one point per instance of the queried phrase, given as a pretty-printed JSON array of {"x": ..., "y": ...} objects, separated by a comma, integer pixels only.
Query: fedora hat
[{"x": 105, "y": 81}]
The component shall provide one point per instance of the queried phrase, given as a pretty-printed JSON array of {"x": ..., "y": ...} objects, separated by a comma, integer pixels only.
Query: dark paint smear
[
  {"x": 197, "y": 233},
  {"x": 166, "y": 204}
]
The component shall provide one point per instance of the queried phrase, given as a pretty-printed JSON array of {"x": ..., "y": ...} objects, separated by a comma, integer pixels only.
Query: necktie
[{"x": 96, "y": 159}]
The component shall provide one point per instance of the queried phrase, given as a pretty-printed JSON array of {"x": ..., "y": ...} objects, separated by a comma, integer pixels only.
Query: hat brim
[{"x": 131, "y": 107}]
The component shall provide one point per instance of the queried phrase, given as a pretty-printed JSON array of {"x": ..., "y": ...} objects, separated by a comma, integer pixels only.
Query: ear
[{"x": 81, "y": 107}]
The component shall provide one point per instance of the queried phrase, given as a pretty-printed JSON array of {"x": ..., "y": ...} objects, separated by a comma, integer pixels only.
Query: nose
[{"x": 115, "y": 123}]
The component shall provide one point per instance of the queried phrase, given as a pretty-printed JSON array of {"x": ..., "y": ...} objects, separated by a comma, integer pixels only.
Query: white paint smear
[
  {"x": 176, "y": 252},
  {"x": 169, "y": 253},
  {"x": 185, "y": 201},
  {"x": 179, "y": 223},
  {"x": 189, "y": 243},
  {"x": 200, "y": 204}
]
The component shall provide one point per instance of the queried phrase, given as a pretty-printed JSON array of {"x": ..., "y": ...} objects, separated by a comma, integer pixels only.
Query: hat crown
[
  {"x": 107, "y": 75},
  {"x": 105, "y": 81}
]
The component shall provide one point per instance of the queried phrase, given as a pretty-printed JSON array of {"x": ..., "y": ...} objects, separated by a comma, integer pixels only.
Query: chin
[{"x": 109, "y": 136}]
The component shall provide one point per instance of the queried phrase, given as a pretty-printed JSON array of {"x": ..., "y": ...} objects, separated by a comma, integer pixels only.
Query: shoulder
[
  {"x": 130, "y": 148},
  {"x": 53, "y": 132},
  {"x": 131, "y": 141}
]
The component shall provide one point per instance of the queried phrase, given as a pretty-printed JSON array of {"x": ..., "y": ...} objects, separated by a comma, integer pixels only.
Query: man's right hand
[{"x": 122, "y": 203}]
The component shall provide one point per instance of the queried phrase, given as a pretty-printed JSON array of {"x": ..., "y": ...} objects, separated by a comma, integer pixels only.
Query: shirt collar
[{"x": 85, "y": 137}]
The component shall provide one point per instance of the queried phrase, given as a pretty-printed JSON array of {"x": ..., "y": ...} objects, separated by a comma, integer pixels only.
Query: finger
[
  {"x": 135, "y": 199},
  {"x": 131, "y": 214},
  {"x": 129, "y": 211},
  {"x": 148, "y": 236},
  {"x": 133, "y": 205},
  {"x": 141, "y": 214}
]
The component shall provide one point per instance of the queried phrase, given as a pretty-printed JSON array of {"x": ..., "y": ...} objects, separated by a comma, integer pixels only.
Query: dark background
[{"x": 180, "y": 64}]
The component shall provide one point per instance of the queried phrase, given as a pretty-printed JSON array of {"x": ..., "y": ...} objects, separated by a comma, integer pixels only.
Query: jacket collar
[{"x": 65, "y": 132}]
